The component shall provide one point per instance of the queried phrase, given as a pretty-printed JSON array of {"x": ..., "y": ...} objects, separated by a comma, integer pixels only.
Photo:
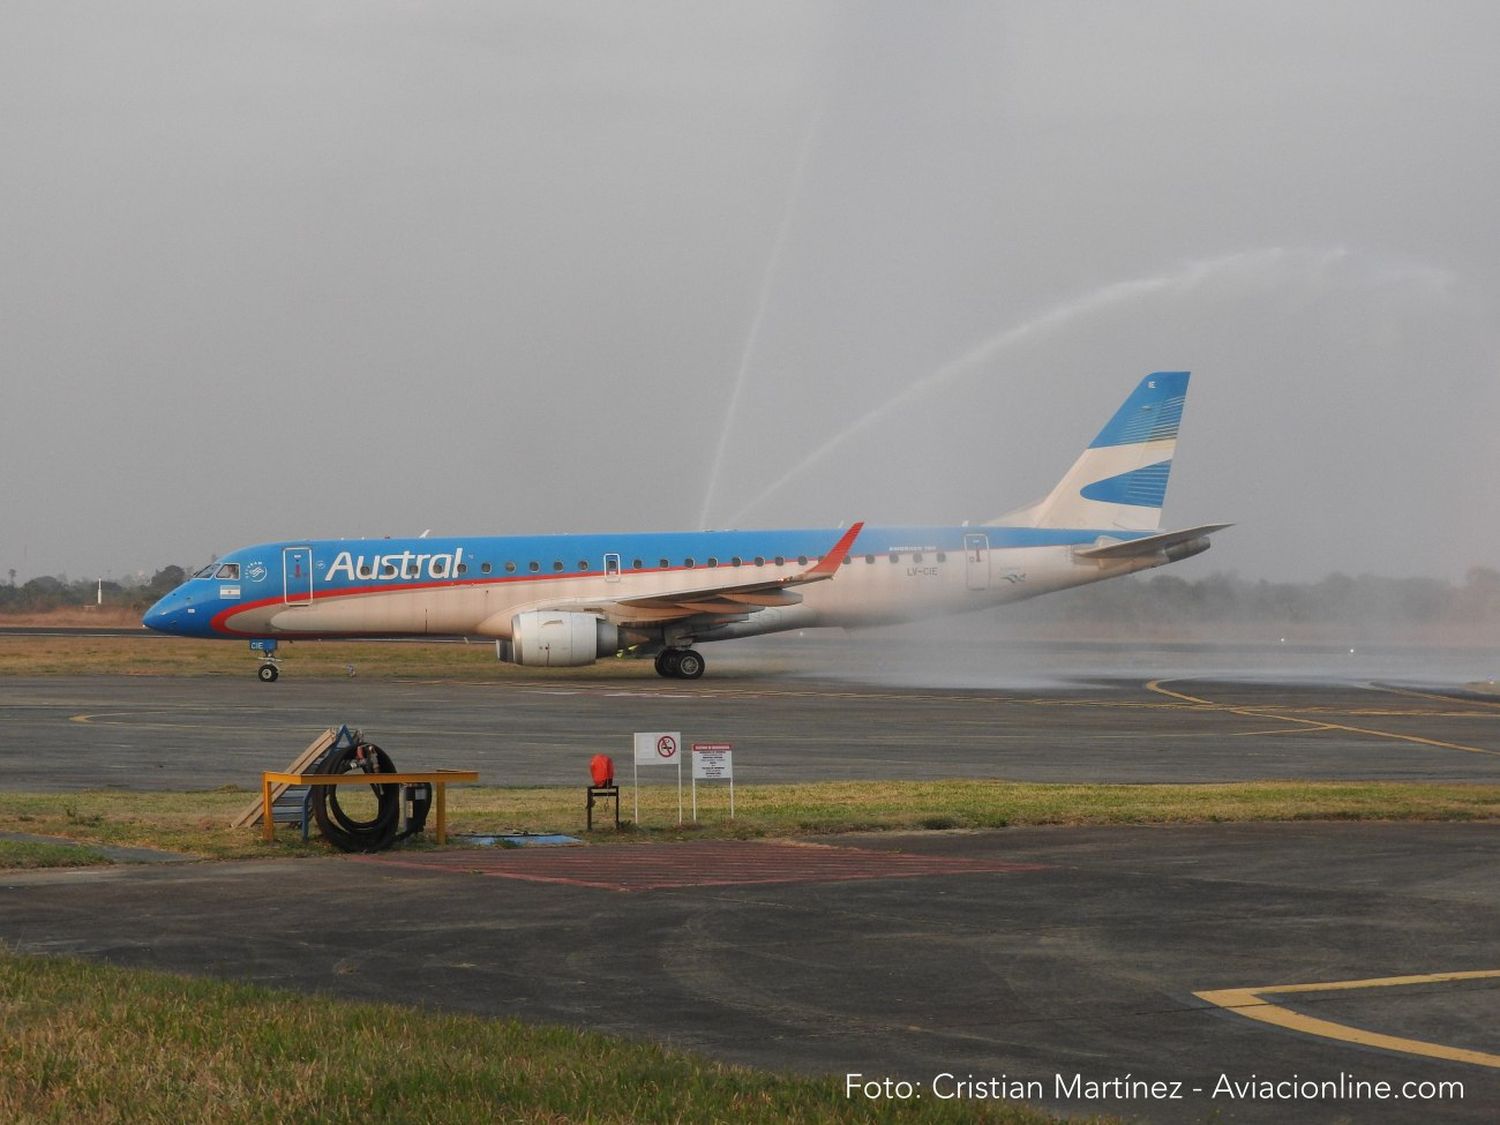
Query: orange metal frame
[{"x": 439, "y": 779}]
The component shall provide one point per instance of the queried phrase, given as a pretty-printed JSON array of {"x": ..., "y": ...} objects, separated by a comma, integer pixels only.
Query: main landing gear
[{"x": 679, "y": 664}]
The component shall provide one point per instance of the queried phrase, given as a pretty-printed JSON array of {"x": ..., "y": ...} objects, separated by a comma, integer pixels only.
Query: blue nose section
[
  {"x": 159, "y": 616},
  {"x": 173, "y": 614}
]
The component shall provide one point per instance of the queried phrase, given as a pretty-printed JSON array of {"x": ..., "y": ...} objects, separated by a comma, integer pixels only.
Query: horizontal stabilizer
[{"x": 1151, "y": 545}]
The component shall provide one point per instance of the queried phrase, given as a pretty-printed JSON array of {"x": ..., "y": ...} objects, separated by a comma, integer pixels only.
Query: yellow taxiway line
[
  {"x": 1251, "y": 1003},
  {"x": 1316, "y": 724}
]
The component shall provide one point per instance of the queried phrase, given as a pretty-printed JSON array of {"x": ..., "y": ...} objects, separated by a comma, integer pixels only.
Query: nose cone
[
  {"x": 159, "y": 616},
  {"x": 171, "y": 615}
]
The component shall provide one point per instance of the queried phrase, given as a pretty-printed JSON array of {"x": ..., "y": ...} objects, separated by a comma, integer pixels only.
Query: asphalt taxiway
[{"x": 143, "y": 732}]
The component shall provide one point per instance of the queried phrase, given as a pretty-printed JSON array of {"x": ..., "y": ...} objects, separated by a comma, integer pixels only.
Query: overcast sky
[{"x": 280, "y": 270}]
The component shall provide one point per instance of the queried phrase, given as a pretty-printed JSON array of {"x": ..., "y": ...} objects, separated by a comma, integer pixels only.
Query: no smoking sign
[{"x": 657, "y": 747}]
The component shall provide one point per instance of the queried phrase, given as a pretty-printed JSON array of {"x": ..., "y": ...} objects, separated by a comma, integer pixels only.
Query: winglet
[{"x": 834, "y": 558}]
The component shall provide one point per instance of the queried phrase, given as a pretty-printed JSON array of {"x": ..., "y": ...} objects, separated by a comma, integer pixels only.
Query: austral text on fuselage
[{"x": 405, "y": 564}]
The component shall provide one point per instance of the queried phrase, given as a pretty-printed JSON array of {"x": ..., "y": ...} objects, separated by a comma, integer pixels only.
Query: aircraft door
[
  {"x": 611, "y": 568},
  {"x": 977, "y": 561},
  {"x": 296, "y": 570}
]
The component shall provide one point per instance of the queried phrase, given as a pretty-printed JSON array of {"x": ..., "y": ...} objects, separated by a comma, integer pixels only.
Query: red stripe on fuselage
[{"x": 219, "y": 623}]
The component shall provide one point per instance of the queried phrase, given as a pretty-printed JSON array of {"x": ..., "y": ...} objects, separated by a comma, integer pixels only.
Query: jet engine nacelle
[{"x": 558, "y": 640}]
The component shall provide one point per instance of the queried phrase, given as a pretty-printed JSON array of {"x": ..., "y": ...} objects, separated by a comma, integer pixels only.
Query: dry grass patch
[
  {"x": 23, "y": 854},
  {"x": 152, "y": 655},
  {"x": 197, "y": 823},
  {"x": 782, "y": 810}
]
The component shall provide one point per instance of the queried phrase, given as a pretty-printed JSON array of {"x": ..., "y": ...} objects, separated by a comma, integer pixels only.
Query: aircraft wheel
[
  {"x": 661, "y": 662},
  {"x": 666, "y": 663},
  {"x": 689, "y": 665},
  {"x": 268, "y": 673}
]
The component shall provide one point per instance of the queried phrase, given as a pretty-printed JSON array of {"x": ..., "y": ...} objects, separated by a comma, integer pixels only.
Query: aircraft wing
[
  {"x": 1150, "y": 545},
  {"x": 725, "y": 599}
]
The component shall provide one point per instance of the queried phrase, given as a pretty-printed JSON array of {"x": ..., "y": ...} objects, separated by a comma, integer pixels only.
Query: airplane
[{"x": 569, "y": 600}]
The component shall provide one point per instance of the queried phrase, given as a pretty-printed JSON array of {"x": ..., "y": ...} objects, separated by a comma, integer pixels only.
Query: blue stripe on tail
[
  {"x": 1151, "y": 413},
  {"x": 1145, "y": 487}
]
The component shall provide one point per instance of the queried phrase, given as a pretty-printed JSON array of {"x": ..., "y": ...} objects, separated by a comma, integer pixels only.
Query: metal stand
[{"x": 603, "y": 792}]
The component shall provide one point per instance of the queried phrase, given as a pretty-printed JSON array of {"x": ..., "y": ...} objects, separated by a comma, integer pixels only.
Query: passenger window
[
  {"x": 736, "y": 561},
  {"x": 463, "y": 568},
  {"x": 801, "y": 560},
  {"x": 895, "y": 557},
  {"x": 583, "y": 564},
  {"x": 712, "y": 561},
  {"x": 688, "y": 562},
  {"x": 780, "y": 560},
  {"x": 366, "y": 571},
  {"x": 869, "y": 558},
  {"x": 760, "y": 560},
  {"x": 484, "y": 568},
  {"x": 638, "y": 565},
  {"x": 557, "y": 564},
  {"x": 942, "y": 557},
  {"x": 666, "y": 564},
  {"x": 534, "y": 566},
  {"x": 917, "y": 557}
]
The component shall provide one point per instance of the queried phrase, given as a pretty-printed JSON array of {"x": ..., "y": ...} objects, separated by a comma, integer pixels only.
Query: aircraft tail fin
[{"x": 1120, "y": 481}]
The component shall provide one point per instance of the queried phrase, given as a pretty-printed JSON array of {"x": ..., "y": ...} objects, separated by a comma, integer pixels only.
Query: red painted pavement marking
[{"x": 709, "y": 863}]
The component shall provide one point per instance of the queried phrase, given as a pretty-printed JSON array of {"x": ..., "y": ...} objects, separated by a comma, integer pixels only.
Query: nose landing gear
[
  {"x": 679, "y": 664},
  {"x": 266, "y": 650}
]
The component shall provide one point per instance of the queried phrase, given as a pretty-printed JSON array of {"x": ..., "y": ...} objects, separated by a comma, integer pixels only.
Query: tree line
[
  {"x": 1338, "y": 598},
  {"x": 47, "y": 592}
]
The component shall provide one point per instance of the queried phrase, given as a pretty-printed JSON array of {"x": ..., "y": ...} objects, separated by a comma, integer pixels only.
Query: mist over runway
[{"x": 1034, "y": 712}]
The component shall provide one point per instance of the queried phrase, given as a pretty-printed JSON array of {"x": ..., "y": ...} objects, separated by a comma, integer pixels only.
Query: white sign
[
  {"x": 713, "y": 765},
  {"x": 713, "y": 761},
  {"x": 657, "y": 747}
]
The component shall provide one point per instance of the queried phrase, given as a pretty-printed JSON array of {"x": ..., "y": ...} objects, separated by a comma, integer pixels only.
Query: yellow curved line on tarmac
[
  {"x": 1250, "y": 1003},
  {"x": 1263, "y": 713},
  {"x": 1440, "y": 698},
  {"x": 1278, "y": 730}
]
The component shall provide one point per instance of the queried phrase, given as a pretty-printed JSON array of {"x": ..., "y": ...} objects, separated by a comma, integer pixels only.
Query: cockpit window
[
  {"x": 207, "y": 571},
  {"x": 229, "y": 570}
]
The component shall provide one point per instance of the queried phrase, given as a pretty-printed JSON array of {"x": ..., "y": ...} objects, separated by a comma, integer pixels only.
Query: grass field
[
  {"x": 153, "y": 655},
  {"x": 21, "y": 854},
  {"x": 85, "y": 1042},
  {"x": 197, "y": 823}
]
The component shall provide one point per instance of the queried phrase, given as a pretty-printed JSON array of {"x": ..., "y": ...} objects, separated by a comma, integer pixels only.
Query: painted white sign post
[
  {"x": 713, "y": 761},
  {"x": 657, "y": 748}
]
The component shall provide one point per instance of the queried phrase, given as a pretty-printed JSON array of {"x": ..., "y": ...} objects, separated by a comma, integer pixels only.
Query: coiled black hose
[{"x": 338, "y": 827}]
